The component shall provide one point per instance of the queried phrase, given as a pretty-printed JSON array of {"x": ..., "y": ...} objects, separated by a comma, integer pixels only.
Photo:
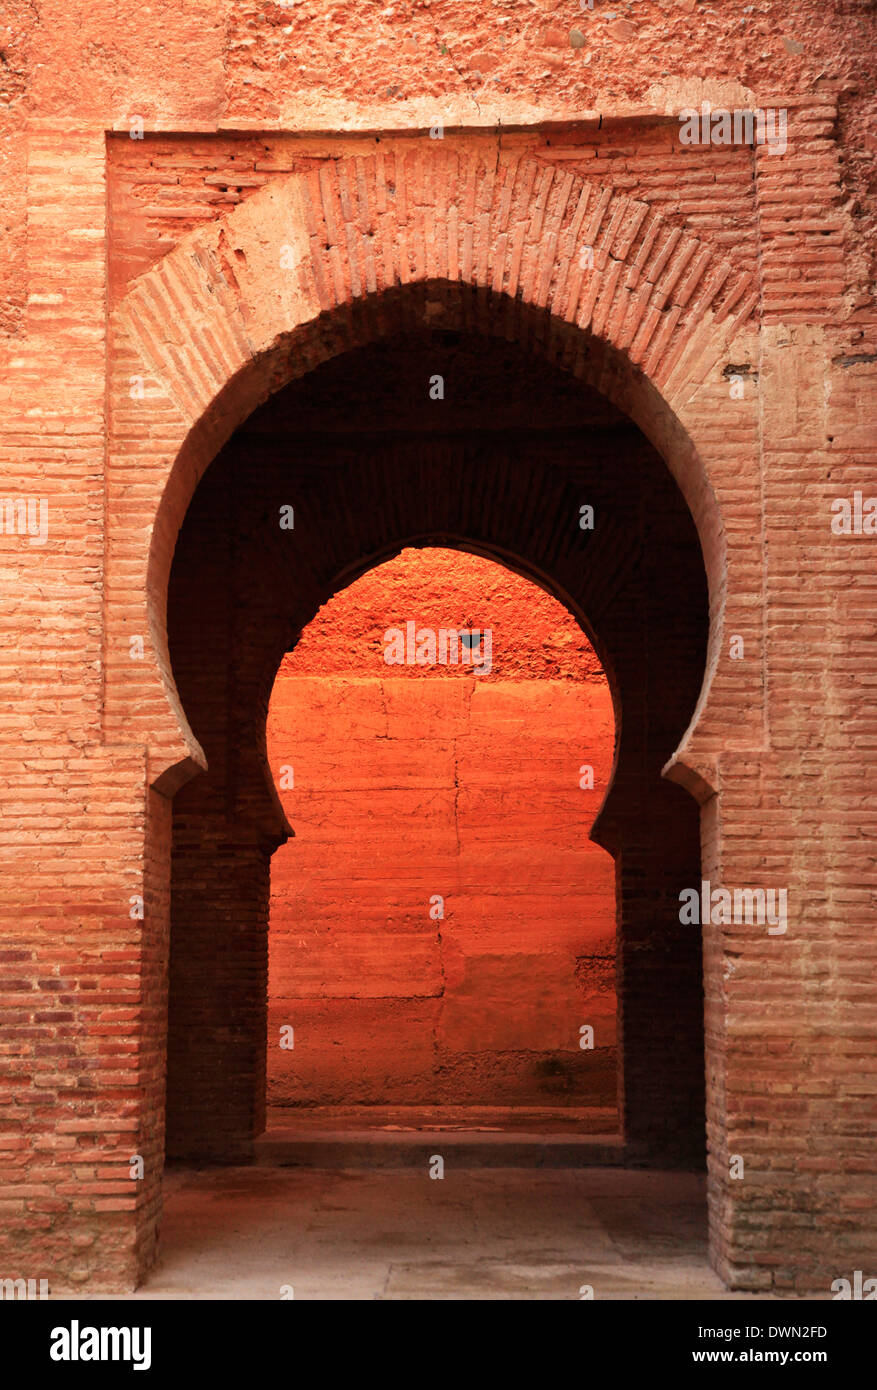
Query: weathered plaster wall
[{"x": 415, "y": 781}]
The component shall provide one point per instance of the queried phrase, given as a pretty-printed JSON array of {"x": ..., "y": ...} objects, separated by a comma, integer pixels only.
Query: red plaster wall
[{"x": 410, "y": 781}]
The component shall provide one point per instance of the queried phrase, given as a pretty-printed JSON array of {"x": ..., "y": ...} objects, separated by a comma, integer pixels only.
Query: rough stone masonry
[{"x": 211, "y": 210}]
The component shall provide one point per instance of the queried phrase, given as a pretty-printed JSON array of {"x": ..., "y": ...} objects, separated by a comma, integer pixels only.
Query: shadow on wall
[{"x": 442, "y": 930}]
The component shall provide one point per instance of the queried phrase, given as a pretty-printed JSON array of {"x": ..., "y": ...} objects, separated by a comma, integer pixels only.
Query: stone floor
[{"x": 504, "y": 1233}]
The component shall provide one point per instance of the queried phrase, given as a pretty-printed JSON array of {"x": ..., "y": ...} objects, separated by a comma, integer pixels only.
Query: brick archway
[
  {"x": 317, "y": 264},
  {"x": 242, "y": 589}
]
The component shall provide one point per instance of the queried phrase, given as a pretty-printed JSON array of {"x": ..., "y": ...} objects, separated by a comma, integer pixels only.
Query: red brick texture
[{"x": 242, "y": 311}]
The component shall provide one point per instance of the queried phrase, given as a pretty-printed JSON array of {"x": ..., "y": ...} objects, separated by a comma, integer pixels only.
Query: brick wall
[{"x": 740, "y": 259}]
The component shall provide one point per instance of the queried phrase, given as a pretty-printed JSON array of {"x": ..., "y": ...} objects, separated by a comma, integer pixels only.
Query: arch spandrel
[{"x": 316, "y": 263}]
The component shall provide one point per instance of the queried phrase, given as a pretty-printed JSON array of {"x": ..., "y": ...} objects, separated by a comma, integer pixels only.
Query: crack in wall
[
  {"x": 469, "y": 692},
  {"x": 385, "y": 710}
]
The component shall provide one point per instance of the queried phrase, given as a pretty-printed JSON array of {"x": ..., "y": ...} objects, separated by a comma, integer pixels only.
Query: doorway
[
  {"x": 442, "y": 928},
  {"x": 519, "y": 463}
]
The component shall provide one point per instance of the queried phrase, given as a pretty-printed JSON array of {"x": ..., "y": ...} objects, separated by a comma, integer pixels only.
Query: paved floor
[{"x": 504, "y": 1233}]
